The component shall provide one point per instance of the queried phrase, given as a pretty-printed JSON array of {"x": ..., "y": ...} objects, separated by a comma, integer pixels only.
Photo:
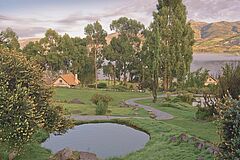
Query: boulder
[
  {"x": 173, "y": 139},
  {"x": 200, "y": 145},
  {"x": 87, "y": 156},
  {"x": 68, "y": 154},
  {"x": 76, "y": 101},
  {"x": 65, "y": 154},
  {"x": 183, "y": 137}
]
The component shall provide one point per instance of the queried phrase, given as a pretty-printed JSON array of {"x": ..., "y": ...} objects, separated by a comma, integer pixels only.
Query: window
[{"x": 60, "y": 81}]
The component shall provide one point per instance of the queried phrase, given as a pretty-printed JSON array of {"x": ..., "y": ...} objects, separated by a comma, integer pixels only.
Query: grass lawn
[
  {"x": 64, "y": 95},
  {"x": 184, "y": 117},
  {"x": 159, "y": 146}
]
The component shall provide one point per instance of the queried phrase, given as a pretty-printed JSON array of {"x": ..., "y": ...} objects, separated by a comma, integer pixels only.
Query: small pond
[{"x": 104, "y": 139}]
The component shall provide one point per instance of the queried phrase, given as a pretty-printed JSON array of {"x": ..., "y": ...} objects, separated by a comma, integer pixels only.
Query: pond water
[
  {"x": 104, "y": 139},
  {"x": 213, "y": 62}
]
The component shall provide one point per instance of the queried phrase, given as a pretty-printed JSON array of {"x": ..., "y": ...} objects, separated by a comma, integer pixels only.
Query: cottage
[
  {"x": 211, "y": 81},
  {"x": 67, "y": 80}
]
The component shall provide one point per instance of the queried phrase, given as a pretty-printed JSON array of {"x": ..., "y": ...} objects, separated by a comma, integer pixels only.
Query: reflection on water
[
  {"x": 213, "y": 62},
  {"x": 104, "y": 139}
]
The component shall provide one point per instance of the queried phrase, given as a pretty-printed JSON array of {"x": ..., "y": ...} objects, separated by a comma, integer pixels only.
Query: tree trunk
[
  {"x": 95, "y": 68},
  {"x": 155, "y": 86}
]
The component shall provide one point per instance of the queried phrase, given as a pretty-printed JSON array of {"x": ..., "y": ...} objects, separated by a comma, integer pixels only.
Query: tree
[
  {"x": 229, "y": 81},
  {"x": 126, "y": 46},
  {"x": 25, "y": 102},
  {"x": 151, "y": 57},
  {"x": 96, "y": 40},
  {"x": 176, "y": 40},
  {"x": 9, "y": 40}
]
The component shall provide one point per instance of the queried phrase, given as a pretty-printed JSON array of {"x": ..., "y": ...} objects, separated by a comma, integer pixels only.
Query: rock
[
  {"x": 200, "y": 145},
  {"x": 183, "y": 137},
  {"x": 12, "y": 154},
  {"x": 173, "y": 139},
  {"x": 213, "y": 150},
  {"x": 65, "y": 154},
  {"x": 192, "y": 140},
  {"x": 76, "y": 101},
  {"x": 87, "y": 156}
]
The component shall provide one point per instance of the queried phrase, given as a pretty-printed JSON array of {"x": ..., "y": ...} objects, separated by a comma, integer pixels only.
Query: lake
[
  {"x": 104, "y": 139},
  {"x": 213, "y": 62}
]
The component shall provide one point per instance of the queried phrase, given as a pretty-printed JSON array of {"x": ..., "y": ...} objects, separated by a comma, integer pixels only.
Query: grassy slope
[
  {"x": 65, "y": 95},
  {"x": 185, "y": 118},
  {"x": 159, "y": 147}
]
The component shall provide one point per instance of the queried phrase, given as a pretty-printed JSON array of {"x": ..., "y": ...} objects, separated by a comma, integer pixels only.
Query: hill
[{"x": 217, "y": 37}]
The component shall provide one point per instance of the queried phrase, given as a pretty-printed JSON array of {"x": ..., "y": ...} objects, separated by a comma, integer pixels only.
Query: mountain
[
  {"x": 217, "y": 37},
  {"x": 24, "y": 42}
]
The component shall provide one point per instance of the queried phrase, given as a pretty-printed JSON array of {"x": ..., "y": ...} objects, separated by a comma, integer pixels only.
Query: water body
[
  {"x": 104, "y": 139},
  {"x": 213, "y": 62}
]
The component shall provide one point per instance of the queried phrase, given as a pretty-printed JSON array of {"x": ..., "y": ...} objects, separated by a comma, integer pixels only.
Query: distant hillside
[
  {"x": 217, "y": 37},
  {"x": 24, "y": 42}
]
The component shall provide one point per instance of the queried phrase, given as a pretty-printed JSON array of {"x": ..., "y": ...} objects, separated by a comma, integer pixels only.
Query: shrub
[
  {"x": 25, "y": 103},
  {"x": 203, "y": 113},
  {"x": 229, "y": 118},
  {"x": 101, "y": 102},
  {"x": 186, "y": 97},
  {"x": 102, "y": 85},
  {"x": 91, "y": 86}
]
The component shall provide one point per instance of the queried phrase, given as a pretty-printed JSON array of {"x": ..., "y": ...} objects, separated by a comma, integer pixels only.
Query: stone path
[{"x": 159, "y": 115}]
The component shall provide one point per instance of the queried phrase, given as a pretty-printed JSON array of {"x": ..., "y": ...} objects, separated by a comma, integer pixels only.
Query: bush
[
  {"x": 186, "y": 97},
  {"x": 102, "y": 85},
  {"x": 229, "y": 118},
  {"x": 203, "y": 113},
  {"x": 101, "y": 102}
]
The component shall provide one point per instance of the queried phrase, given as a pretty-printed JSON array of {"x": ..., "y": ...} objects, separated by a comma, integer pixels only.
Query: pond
[
  {"x": 213, "y": 62},
  {"x": 104, "y": 139}
]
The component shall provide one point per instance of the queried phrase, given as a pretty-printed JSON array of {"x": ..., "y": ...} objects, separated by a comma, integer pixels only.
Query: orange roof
[{"x": 70, "y": 79}]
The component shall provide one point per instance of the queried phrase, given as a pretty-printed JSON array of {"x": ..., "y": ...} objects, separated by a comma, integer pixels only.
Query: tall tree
[
  {"x": 176, "y": 40},
  {"x": 9, "y": 40},
  {"x": 96, "y": 40},
  {"x": 151, "y": 57},
  {"x": 127, "y": 44}
]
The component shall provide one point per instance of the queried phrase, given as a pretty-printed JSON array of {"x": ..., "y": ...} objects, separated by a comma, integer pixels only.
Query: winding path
[{"x": 159, "y": 115}]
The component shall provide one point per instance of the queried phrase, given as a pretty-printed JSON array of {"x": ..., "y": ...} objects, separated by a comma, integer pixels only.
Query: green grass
[
  {"x": 88, "y": 108},
  {"x": 159, "y": 147},
  {"x": 184, "y": 117}
]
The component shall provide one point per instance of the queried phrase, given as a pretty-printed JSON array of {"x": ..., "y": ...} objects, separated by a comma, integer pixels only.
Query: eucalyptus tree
[
  {"x": 9, "y": 40},
  {"x": 126, "y": 45},
  {"x": 96, "y": 40}
]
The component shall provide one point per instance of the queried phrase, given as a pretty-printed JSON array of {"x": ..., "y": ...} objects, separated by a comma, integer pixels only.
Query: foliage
[
  {"x": 186, "y": 97},
  {"x": 229, "y": 118},
  {"x": 197, "y": 79},
  {"x": 176, "y": 40},
  {"x": 25, "y": 102},
  {"x": 102, "y": 85},
  {"x": 96, "y": 40},
  {"x": 9, "y": 40},
  {"x": 123, "y": 49},
  {"x": 102, "y": 103},
  {"x": 229, "y": 81}
]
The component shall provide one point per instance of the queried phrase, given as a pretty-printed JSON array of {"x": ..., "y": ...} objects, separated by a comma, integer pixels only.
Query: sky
[{"x": 31, "y": 18}]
